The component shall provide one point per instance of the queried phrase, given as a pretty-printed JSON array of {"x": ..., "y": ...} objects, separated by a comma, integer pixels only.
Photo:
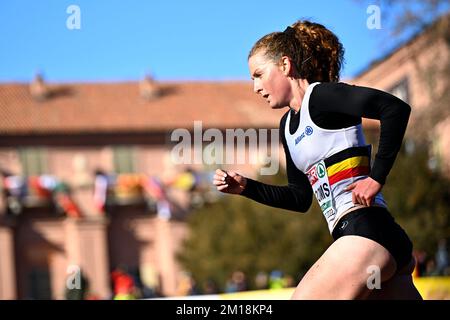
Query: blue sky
[{"x": 172, "y": 39}]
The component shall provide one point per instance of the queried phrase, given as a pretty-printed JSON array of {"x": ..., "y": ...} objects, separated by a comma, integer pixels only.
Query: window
[
  {"x": 124, "y": 159},
  {"x": 401, "y": 90},
  {"x": 32, "y": 161}
]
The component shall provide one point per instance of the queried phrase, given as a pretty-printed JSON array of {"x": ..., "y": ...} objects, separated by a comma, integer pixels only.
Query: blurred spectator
[
  {"x": 288, "y": 281},
  {"x": 276, "y": 280},
  {"x": 237, "y": 282},
  {"x": 150, "y": 282},
  {"x": 261, "y": 281},
  {"x": 210, "y": 287},
  {"x": 430, "y": 270},
  {"x": 421, "y": 260},
  {"x": 123, "y": 285},
  {"x": 187, "y": 285},
  {"x": 442, "y": 260}
]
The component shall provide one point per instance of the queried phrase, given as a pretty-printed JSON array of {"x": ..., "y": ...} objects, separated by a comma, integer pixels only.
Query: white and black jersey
[{"x": 326, "y": 150}]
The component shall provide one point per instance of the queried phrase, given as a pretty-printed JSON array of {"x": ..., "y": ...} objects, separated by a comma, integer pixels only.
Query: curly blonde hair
[{"x": 315, "y": 51}]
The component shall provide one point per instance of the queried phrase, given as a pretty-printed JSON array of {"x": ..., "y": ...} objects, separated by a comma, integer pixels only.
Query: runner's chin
[{"x": 274, "y": 105}]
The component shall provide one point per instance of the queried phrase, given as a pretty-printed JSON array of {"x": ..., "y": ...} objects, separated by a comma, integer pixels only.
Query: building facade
[
  {"x": 60, "y": 137},
  {"x": 418, "y": 72}
]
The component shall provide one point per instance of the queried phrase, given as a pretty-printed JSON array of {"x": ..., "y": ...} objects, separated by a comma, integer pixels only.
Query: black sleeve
[
  {"x": 296, "y": 196},
  {"x": 357, "y": 101}
]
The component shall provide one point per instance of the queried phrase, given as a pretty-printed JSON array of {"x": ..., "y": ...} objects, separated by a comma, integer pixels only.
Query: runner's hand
[
  {"x": 229, "y": 182},
  {"x": 364, "y": 191}
]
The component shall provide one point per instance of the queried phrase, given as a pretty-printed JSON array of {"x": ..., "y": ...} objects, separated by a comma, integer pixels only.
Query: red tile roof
[{"x": 117, "y": 107}]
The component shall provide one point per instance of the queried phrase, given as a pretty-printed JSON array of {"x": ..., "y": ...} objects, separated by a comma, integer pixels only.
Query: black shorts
[{"x": 377, "y": 224}]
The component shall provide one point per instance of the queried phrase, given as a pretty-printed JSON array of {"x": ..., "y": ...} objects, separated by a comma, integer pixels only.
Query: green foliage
[
  {"x": 239, "y": 234},
  {"x": 419, "y": 199}
]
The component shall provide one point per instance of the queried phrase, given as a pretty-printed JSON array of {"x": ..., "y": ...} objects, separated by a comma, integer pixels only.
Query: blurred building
[
  {"x": 418, "y": 72},
  {"x": 72, "y": 140},
  {"x": 86, "y": 165}
]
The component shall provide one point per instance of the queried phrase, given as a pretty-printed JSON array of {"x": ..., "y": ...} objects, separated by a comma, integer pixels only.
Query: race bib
[{"x": 318, "y": 179}]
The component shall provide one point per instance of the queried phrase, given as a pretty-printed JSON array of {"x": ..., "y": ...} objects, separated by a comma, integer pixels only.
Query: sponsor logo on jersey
[
  {"x": 312, "y": 175},
  {"x": 307, "y": 132}
]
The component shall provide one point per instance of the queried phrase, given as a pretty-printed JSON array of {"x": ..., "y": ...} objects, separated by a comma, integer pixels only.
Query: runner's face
[{"x": 270, "y": 81}]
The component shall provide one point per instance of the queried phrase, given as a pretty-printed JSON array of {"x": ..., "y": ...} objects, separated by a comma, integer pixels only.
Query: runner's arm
[
  {"x": 296, "y": 196},
  {"x": 357, "y": 101}
]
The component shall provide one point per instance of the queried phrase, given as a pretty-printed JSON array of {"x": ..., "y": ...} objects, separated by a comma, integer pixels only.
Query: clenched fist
[{"x": 229, "y": 182}]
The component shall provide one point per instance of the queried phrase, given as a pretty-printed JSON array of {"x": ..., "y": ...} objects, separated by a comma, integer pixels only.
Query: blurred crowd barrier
[{"x": 431, "y": 288}]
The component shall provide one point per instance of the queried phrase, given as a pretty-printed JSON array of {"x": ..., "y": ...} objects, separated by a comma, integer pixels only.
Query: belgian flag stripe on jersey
[
  {"x": 348, "y": 173},
  {"x": 351, "y": 152},
  {"x": 351, "y": 162}
]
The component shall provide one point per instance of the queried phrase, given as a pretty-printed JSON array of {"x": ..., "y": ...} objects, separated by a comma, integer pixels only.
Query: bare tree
[{"x": 406, "y": 19}]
